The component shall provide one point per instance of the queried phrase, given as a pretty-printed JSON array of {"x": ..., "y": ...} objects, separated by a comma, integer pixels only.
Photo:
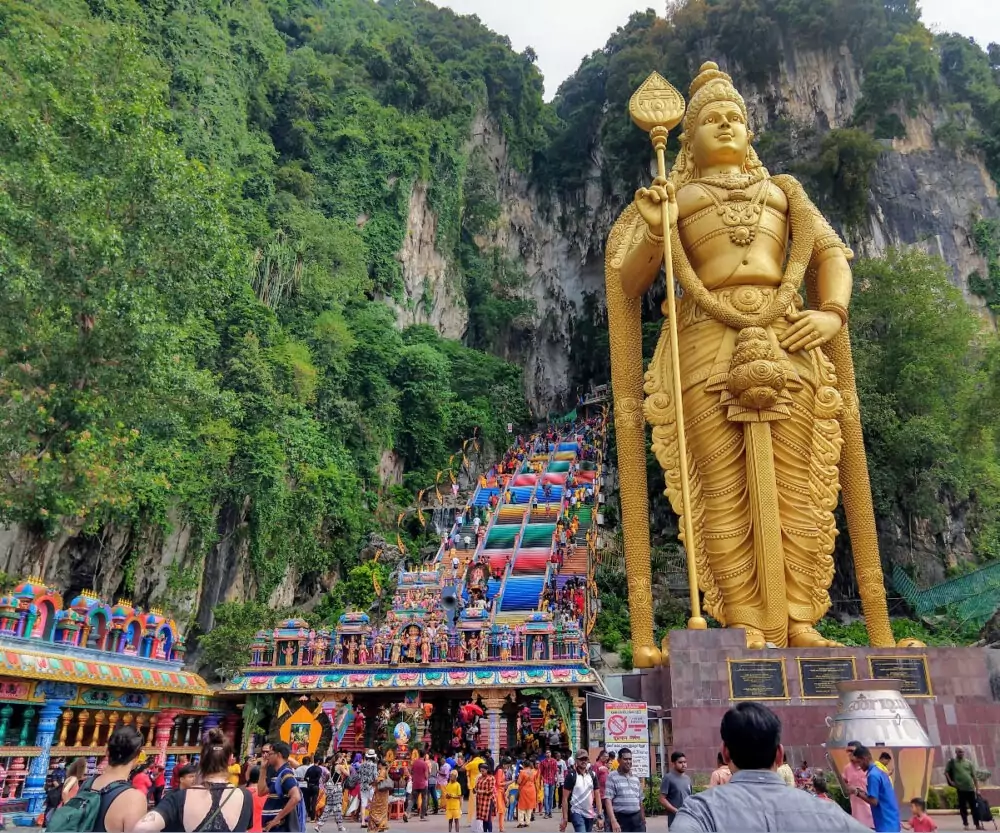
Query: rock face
[
  {"x": 433, "y": 293},
  {"x": 922, "y": 194}
]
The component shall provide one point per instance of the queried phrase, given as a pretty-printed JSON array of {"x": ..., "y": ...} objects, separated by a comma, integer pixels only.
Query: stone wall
[{"x": 963, "y": 710}]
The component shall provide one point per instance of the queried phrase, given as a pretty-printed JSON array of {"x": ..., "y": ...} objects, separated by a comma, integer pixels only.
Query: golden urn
[{"x": 875, "y": 714}]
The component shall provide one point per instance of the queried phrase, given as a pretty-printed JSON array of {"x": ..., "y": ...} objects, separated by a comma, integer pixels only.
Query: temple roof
[
  {"x": 36, "y": 665},
  {"x": 372, "y": 678}
]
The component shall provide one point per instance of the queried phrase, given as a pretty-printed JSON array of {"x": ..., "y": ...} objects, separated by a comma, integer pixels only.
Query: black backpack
[{"x": 79, "y": 814}]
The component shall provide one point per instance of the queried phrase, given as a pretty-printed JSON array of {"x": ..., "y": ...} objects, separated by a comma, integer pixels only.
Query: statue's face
[{"x": 720, "y": 137}]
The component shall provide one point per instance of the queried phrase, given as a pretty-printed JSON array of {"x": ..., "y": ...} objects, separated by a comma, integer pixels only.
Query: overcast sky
[{"x": 562, "y": 32}]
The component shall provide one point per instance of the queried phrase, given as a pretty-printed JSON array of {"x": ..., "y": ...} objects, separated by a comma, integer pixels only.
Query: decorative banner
[
  {"x": 283, "y": 708},
  {"x": 627, "y": 724}
]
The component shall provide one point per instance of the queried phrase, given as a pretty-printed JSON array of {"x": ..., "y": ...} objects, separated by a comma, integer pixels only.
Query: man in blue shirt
[{"x": 879, "y": 793}]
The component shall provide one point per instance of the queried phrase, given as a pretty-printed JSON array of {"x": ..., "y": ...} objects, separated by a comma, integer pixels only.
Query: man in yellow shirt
[
  {"x": 453, "y": 801},
  {"x": 235, "y": 770},
  {"x": 472, "y": 772}
]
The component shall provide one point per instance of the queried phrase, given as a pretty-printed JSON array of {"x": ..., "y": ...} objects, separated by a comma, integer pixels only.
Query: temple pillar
[
  {"x": 6, "y": 713},
  {"x": 230, "y": 722},
  {"x": 578, "y": 704},
  {"x": 67, "y": 716},
  {"x": 179, "y": 731},
  {"x": 164, "y": 728},
  {"x": 27, "y": 718},
  {"x": 112, "y": 723},
  {"x": 34, "y": 785},
  {"x": 194, "y": 731},
  {"x": 211, "y": 721},
  {"x": 81, "y": 723},
  {"x": 95, "y": 738},
  {"x": 493, "y": 701}
]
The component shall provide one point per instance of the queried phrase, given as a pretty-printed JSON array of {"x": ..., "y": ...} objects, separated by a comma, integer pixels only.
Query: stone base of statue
[{"x": 954, "y": 693}]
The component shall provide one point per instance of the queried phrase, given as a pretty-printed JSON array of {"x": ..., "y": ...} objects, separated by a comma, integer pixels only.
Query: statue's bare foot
[
  {"x": 755, "y": 636},
  {"x": 647, "y": 656},
  {"x": 803, "y": 636}
]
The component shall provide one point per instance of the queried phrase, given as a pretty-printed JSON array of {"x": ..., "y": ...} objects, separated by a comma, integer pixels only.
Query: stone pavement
[{"x": 656, "y": 824}]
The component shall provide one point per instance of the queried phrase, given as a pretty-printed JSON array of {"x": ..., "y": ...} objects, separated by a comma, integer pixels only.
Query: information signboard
[{"x": 627, "y": 724}]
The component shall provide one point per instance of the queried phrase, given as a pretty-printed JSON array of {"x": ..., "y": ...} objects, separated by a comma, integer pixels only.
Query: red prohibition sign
[{"x": 617, "y": 724}]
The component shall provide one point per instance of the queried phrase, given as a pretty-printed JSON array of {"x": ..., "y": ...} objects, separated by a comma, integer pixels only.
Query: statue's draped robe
[{"x": 763, "y": 481}]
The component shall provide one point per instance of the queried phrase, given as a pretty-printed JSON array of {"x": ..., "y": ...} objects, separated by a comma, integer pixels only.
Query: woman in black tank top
[{"x": 213, "y": 805}]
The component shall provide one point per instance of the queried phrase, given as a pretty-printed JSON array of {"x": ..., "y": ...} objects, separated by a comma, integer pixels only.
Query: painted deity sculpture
[{"x": 767, "y": 384}]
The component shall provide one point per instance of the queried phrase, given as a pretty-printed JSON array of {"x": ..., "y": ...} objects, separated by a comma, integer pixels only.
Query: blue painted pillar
[
  {"x": 211, "y": 721},
  {"x": 34, "y": 784}
]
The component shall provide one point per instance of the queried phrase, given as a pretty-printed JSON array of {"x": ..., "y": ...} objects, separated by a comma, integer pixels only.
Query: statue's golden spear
[{"x": 657, "y": 107}]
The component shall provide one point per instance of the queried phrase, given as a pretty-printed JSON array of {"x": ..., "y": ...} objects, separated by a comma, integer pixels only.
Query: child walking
[{"x": 453, "y": 801}]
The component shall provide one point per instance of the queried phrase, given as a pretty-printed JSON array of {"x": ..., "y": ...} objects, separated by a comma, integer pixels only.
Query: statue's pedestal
[{"x": 709, "y": 670}]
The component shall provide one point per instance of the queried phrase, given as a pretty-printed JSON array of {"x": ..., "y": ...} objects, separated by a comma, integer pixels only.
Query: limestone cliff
[{"x": 922, "y": 194}]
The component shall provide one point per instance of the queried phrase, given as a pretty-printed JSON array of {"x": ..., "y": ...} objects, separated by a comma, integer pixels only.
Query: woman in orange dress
[
  {"x": 501, "y": 780},
  {"x": 527, "y": 795}
]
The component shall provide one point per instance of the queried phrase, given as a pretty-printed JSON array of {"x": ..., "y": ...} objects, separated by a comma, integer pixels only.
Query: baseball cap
[{"x": 582, "y": 753}]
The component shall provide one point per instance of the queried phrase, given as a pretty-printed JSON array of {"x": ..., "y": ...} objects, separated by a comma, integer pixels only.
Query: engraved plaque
[
  {"x": 820, "y": 676},
  {"x": 757, "y": 679},
  {"x": 914, "y": 681}
]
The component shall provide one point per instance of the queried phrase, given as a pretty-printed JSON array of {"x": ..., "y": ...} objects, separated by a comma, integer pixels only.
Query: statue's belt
[{"x": 743, "y": 299}]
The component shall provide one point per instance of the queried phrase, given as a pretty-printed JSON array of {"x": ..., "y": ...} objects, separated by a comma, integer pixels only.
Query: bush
[{"x": 625, "y": 656}]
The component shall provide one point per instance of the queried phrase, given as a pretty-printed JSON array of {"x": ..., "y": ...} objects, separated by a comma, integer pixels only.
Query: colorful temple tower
[{"x": 69, "y": 675}]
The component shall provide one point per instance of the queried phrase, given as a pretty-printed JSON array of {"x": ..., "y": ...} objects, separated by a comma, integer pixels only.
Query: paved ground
[{"x": 656, "y": 824}]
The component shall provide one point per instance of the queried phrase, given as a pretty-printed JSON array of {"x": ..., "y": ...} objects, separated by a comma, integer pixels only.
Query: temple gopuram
[
  {"x": 70, "y": 674},
  {"x": 494, "y": 623}
]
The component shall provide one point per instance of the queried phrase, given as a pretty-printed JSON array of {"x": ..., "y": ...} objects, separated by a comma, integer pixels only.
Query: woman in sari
[
  {"x": 378, "y": 810},
  {"x": 527, "y": 795}
]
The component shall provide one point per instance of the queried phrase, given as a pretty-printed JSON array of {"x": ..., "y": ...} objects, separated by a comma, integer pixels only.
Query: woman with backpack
[
  {"x": 107, "y": 803},
  {"x": 213, "y": 805}
]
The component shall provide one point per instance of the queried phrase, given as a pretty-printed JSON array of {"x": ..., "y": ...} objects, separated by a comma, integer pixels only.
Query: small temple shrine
[{"x": 69, "y": 674}]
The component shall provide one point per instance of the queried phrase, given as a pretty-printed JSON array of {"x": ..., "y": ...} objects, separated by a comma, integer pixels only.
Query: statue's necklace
[{"x": 740, "y": 214}]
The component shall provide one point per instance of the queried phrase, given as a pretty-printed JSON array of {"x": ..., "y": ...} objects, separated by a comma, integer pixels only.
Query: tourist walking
[
  {"x": 277, "y": 781},
  {"x": 855, "y": 778},
  {"x": 367, "y": 775},
  {"x": 378, "y": 809},
  {"x": 333, "y": 810},
  {"x": 623, "y": 797},
  {"x": 527, "y": 795},
  {"x": 420, "y": 776},
  {"x": 581, "y": 795},
  {"x": 214, "y": 804},
  {"x": 548, "y": 768},
  {"x": 721, "y": 774},
  {"x": 960, "y": 773},
  {"x": 756, "y": 797},
  {"x": 675, "y": 786},
  {"x": 486, "y": 797},
  {"x": 120, "y": 806},
  {"x": 878, "y": 793}
]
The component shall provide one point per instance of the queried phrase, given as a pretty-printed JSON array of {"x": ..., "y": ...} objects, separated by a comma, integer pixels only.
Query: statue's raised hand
[
  {"x": 650, "y": 202},
  {"x": 810, "y": 328}
]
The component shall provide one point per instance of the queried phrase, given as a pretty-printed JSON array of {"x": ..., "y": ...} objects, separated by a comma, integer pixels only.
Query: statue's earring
[{"x": 751, "y": 135}]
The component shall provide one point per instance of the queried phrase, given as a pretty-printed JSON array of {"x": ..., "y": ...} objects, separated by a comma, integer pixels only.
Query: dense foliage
[
  {"x": 201, "y": 206},
  {"x": 904, "y": 67}
]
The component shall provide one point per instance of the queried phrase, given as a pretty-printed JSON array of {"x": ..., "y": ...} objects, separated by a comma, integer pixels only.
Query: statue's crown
[{"x": 710, "y": 85}]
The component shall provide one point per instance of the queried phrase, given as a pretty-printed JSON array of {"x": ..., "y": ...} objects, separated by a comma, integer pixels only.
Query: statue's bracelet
[
  {"x": 652, "y": 238},
  {"x": 837, "y": 308}
]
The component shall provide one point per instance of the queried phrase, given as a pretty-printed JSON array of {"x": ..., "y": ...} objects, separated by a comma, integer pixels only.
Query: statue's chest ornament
[{"x": 739, "y": 213}]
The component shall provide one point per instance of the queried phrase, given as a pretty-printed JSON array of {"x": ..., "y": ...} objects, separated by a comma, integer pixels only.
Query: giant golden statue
[{"x": 765, "y": 383}]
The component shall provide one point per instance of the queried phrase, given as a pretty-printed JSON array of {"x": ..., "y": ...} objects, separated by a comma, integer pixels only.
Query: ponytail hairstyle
[{"x": 215, "y": 754}]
